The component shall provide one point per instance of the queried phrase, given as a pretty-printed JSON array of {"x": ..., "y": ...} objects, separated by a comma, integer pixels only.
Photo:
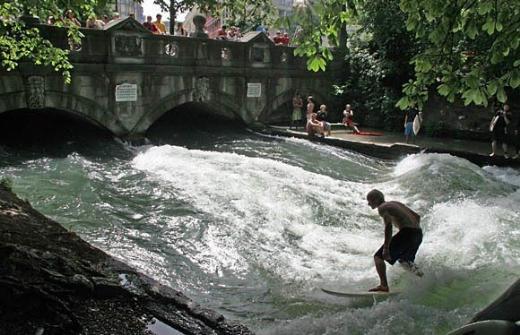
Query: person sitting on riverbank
[
  {"x": 322, "y": 117},
  {"x": 401, "y": 247},
  {"x": 348, "y": 119},
  {"x": 498, "y": 129},
  {"x": 314, "y": 126}
]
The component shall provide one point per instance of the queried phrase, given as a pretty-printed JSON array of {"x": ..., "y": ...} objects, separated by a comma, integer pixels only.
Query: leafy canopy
[
  {"x": 19, "y": 42},
  {"x": 242, "y": 13},
  {"x": 470, "y": 49}
]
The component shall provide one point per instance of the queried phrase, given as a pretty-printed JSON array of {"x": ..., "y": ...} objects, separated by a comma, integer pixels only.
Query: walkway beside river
[{"x": 391, "y": 145}]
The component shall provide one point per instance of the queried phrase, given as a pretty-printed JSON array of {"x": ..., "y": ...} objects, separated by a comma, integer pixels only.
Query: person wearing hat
[{"x": 161, "y": 27}]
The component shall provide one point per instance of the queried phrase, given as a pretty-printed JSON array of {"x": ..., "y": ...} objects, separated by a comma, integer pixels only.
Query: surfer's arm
[{"x": 388, "y": 235}]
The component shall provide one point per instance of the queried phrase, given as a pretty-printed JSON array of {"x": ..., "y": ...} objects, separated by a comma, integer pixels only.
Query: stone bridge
[{"x": 125, "y": 78}]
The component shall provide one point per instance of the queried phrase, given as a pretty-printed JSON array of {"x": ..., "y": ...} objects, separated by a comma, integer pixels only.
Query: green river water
[{"x": 252, "y": 226}]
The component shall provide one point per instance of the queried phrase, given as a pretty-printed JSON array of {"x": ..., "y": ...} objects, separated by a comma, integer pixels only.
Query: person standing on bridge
[
  {"x": 148, "y": 24},
  {"x": 161, "y": 27}
]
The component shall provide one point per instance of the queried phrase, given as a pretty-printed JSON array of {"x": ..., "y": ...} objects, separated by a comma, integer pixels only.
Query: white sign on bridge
[
  {"x": 126, "y": 92},
  {"x": 254, "y": 90}
]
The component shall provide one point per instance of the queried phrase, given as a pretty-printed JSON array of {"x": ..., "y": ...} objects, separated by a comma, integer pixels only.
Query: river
[{"x": 252, "y": 226}]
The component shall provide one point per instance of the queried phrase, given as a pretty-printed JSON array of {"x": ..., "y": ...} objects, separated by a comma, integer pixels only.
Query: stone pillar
[{"x": 199, "y": 21}]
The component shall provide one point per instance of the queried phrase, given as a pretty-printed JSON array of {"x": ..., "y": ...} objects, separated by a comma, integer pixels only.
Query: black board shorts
[{"x": 403, "y": 245}]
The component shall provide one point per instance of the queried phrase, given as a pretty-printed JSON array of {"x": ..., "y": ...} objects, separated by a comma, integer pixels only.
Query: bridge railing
[{"x": 101, "y": 46}]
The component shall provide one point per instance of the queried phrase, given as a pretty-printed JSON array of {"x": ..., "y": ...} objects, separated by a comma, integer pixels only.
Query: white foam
[{"x": 261, "y": 205}]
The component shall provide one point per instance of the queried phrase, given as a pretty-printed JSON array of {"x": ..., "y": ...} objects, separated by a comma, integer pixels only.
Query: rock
[{"x": 506, "y": 307}]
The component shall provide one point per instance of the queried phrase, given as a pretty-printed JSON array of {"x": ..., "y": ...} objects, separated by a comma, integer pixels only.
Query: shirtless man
[{"x": 402, "y": 246}]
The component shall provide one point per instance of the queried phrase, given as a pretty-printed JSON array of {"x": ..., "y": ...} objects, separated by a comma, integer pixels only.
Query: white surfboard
[
  {"x": 360, "y": 294},
  {"x": 417, "y": 124}
]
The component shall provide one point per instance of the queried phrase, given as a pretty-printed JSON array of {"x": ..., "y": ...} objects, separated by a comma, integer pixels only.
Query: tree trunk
[
  {"x": 173, "y": 16},
  {"x": 343, "y": 35}
]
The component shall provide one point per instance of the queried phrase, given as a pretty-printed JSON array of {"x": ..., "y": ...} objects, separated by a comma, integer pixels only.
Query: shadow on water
[
  {"x": 197, "y": 126},
  {"x": 53, "y": 133}
]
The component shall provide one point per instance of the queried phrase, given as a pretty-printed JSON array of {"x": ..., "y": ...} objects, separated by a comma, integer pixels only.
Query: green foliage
[
  {"x": 470, "y": 49},
  {"x": 18, "y": 42},
  {"x": 247, "y": 14},
  {"x": 378, "y": 62},
  {"x": 319, "y": 25},
  {"x": 242, "y": 13}
]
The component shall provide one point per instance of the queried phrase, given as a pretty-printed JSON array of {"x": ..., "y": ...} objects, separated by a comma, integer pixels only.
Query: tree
[
  {"x": 241, "y": 12},
  {"x": 247, "y": 14},
  {"x": 378, "y": 62},
  {"x": 175, "y": 6},
  {"x": 20, "y": 42},
  {"x": 470, "y": 49}
]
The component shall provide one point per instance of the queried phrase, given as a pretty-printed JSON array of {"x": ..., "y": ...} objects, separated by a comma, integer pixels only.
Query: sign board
[
  {"x": 254, "y": 90},
  {"x": 126, "y": 92}
]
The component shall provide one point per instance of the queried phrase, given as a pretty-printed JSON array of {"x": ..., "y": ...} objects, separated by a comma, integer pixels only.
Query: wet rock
[
  {"x": 52, "y": 282},
  {"x": 506, "y": 307}
]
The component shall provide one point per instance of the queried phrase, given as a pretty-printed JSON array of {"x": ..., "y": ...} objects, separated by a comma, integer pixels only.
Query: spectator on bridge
[
  {"x": 51, "y": 20},
  {"x": 161, "y": 27},
  {"x": 232, "y": 33},
  {"x": 94, "y": 23},
  {"x": 115, "y": 16},
  {"x": 105, "y": 19},
  {"x": 149, "y": 25},
  {"x": 179, "y": 30},
  {"x": 285, "y": 39},
  {"x": 222, "y": 33},
  {"x": 70, "y": 18},
  {"x": 278, "y": 38}
]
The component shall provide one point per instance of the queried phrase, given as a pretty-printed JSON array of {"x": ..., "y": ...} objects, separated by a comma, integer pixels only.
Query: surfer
[{"x": 403, "y": 246}]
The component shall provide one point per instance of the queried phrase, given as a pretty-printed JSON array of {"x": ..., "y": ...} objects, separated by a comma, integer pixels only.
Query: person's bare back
[{"x": 400, "y": 215}]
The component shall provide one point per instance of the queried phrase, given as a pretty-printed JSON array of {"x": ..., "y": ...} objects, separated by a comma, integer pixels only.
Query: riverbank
[
  {"x": 388, "y": 145},
  {"x": 53, "y": 282}
]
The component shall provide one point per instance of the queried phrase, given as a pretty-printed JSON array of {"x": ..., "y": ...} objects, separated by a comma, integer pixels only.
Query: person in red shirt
[
  {"x": 285, "y": 39},
  {"x": 149, "y": 25},
  {"x": 222, "y": 33},
  {"x": 278, "y": 38}
]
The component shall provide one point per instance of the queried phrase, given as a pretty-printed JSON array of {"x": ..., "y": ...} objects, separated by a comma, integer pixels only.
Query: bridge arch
[
  {"x": 83, "y": 108},
  {"x": 220, "y": 103}
]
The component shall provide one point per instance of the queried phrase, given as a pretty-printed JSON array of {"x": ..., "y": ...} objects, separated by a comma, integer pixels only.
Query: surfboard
[
  {"x": 360, "y": 294},
  {"x": 416, "y": 124}
]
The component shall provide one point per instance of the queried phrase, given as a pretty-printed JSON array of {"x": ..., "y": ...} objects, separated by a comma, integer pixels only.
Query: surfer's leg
[{"x": 381, "y": 271}]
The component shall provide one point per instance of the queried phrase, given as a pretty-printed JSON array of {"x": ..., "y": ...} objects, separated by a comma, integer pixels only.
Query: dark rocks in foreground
[{"x": 53, "y": 282}]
